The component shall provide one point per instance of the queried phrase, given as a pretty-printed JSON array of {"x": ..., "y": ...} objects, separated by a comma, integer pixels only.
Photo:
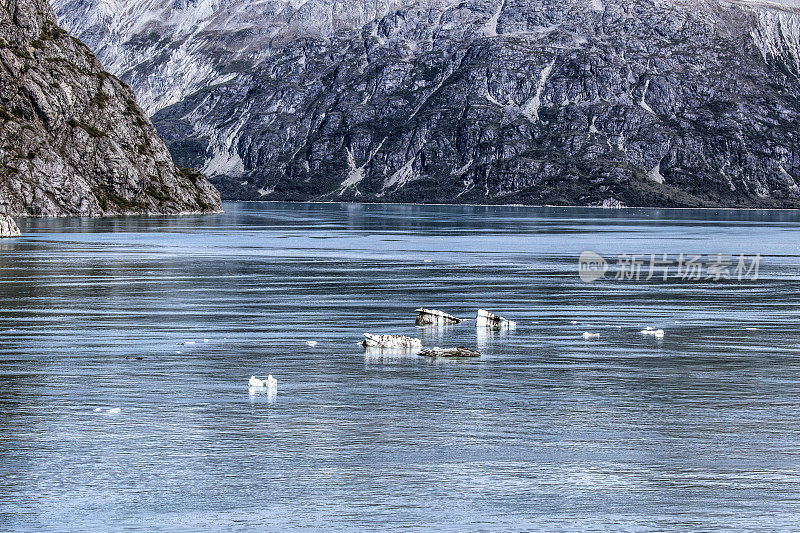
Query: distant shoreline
[
  {"x": 320, "y": 202},
  {"x": 535, "y": 206}
]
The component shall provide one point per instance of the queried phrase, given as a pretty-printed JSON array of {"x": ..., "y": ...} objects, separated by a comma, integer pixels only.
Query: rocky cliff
[
  {"x": 8, "y": 228},
  {"x": 591, "y": 102},
  {"x": 72, "y": 139}
]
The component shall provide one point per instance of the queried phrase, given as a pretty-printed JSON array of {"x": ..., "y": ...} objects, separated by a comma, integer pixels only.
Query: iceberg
[
  {"x": 390, "y": 341},
  {"x": 486, "y": 319},
  {"x": 428, "y": 317}
]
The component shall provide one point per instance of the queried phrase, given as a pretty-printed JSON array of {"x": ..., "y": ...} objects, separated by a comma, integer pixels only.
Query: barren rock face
[
  {"x": 8, "y": 228},
  {"x": 73, "y": 140},
  {"x": 590, "y": 102}
]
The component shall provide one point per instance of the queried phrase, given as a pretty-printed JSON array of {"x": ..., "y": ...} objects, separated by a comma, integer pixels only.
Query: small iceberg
[
  {"x": 397, "y": 342},
  {"x": 434, "y": 317},
  {"x": 114, "y": 411},
  {"x": 485, "y": 319},
  {"x": 657, "y": 333},
  {"x": 458, "y": 351},
  {"x": 270, "y": 382},
  {"x": 587, "y": 335},
  {"x": 312, "y": 343}
]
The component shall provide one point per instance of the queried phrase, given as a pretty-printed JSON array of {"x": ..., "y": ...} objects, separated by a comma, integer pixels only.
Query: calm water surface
[{"x": 547, "y": 431}]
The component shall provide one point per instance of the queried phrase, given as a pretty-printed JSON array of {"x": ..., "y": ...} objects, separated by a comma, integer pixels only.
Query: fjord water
[{"x": 547, "y": 431}]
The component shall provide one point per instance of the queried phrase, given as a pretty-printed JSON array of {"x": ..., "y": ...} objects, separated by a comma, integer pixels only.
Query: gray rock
[
  {"x": 459, "y": 351},
  {"x": 73, "y": 140},
  {"x": 8, "y": 228},
  {"x": 590, "y": 102}
]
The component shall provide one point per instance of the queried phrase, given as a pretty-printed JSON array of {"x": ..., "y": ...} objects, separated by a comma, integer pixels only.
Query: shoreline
[
  {"x": 420, "y": 204},
  {"x": 533, "y": 206}
]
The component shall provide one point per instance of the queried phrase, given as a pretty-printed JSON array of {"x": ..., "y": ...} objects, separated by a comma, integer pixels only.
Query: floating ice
[
  {"x": 256, "y": 383},
  {"x": 427, "y": 317},
  {"x": 657, "y": 333},
  {"x": 390, "y": 341},
  {"x": 312, "y": 343},
  {"x": 490, "y": 320},
  {"x": 114, "y": 411},
  {"x": 587, "y": 335}
]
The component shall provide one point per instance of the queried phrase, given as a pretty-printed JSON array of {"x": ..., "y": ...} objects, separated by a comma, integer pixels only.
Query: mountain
[
  {"x": 73, "y": 140},
  {"x": 589, "y": 102}
]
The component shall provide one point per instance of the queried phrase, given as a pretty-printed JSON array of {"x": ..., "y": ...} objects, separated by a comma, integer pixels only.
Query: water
[{"x": 695, "y": 431}]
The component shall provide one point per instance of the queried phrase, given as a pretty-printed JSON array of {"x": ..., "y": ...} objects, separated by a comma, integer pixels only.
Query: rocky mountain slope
[
  {"x": 592, "y": 102},
  {"x": 72, "y": 139}
]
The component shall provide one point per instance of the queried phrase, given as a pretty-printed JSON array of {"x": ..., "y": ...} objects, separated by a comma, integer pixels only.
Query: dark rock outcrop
[
  {"x": 590, "y": 102},
  {"x": 8, "y": 228},
  {"x": 458, "y": 351},
  {"x": 72, "y": 139}
]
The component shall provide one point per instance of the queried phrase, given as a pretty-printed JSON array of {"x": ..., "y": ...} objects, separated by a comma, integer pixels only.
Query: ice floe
[
  {"x": 426, "y": 317},
  {"x": 486, "y": 319},
  {"x": 657, "y": 333},
  {"x": 390, "y": 341},
  {"x": 256, "y": 383}
]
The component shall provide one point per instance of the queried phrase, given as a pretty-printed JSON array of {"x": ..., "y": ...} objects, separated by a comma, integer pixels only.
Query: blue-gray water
[{"x": 547, "y": 431}]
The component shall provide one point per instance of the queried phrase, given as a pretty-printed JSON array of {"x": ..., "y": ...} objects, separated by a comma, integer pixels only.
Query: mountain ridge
[{"x": 543, "y": 102}]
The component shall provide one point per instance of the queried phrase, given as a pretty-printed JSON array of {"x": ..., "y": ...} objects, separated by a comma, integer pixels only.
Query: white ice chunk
[
  {"x": 490, "y": 320},
  {"x": 657, "y": 333},
  {"x": 390, "y": 341}
]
